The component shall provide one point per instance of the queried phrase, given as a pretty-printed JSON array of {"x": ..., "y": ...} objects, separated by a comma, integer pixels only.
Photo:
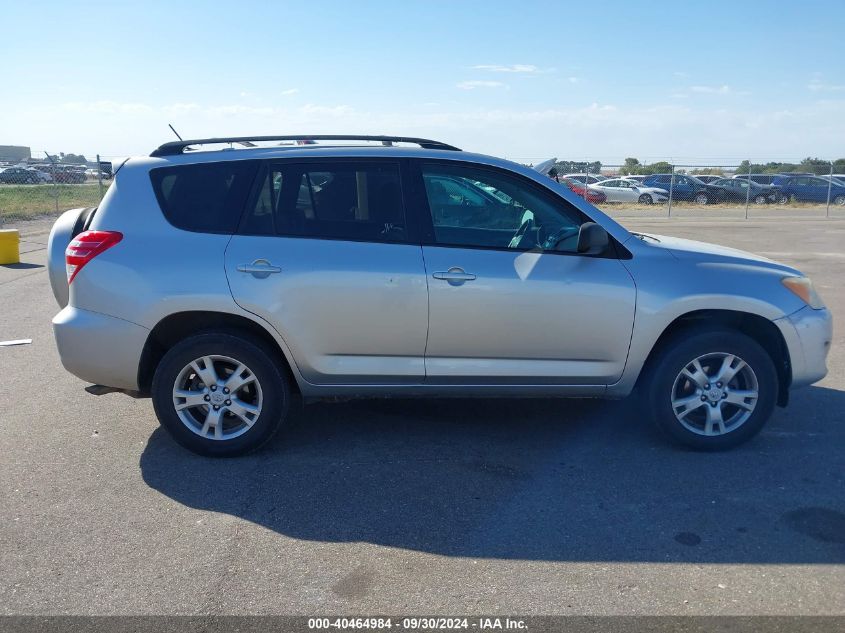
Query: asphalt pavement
[{"x": 421, "y": 506}]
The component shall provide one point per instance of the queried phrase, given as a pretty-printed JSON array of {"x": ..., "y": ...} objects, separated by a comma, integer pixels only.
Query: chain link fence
[
  {"x": 48, "y": 183},
  {"x": 805, "y": 188}
]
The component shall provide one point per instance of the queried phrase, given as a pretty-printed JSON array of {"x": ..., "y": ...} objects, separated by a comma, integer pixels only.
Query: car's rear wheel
[
  {"x": 712, "y": 390},
  {"x": 840, "y": 200},
  {"x": 702, "y": 198},
  {"x": 761, "y": 199},
  {"x": 220, "y": 394},
  {"x": 646, "y": 199},
  {"x": 783, "y": 199}
]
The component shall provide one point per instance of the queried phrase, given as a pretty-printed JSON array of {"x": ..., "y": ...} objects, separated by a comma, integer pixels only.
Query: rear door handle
[
  {"x": 455, "y": 276},
  {"x": 260, "y": 268}
]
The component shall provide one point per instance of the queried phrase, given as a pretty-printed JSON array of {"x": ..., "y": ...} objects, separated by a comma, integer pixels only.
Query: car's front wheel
[
  {"x": 646, "y": 199},
  {"x": 702, "y": 198},
  {"x": 712, "y": 390},
  {"x": 220, "y": 394}
]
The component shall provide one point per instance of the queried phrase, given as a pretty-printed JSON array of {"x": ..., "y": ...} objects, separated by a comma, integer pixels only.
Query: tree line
[{"x": 633, "y": 167}]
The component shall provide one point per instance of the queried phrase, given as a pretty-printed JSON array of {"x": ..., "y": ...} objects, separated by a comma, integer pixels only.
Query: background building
[{"x": 14, "y": 153}]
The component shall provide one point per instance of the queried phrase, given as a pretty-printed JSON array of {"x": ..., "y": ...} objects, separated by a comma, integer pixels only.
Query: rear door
[
  {"x": 614, "y": 190},
  {"x": 505, "y": 308},
  {"x": 325, "y": 254}
]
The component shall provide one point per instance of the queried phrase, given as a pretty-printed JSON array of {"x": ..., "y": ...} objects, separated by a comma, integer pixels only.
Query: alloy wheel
[
  {"x": 714, "y": 394},
  {"x": 217, "y": 397}
]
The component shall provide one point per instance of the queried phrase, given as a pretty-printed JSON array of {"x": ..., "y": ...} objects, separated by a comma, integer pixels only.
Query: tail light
[{"x": 85, "y": 247}]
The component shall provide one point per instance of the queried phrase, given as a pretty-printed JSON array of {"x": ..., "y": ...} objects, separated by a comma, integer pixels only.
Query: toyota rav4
[{"x": 221, "y": 282}]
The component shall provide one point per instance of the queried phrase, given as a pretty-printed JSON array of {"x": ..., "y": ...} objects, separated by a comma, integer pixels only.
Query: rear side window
[
  {"x": 345, "y": 201},
  {"x": 205, "y": 198}
]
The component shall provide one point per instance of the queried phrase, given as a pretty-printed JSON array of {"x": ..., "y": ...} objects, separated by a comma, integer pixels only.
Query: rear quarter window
[{"x": 205, "y": 197}]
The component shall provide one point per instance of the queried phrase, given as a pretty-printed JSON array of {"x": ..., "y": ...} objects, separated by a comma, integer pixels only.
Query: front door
[{"x": 510, "y": 301}]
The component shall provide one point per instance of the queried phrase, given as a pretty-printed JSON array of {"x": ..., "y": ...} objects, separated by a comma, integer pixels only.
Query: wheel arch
[
  {"x": 179, "y": 325},
  {"x": 758, "y": 328}
]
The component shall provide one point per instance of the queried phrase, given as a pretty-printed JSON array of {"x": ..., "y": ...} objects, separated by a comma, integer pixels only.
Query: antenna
[{"x": 174, "y": 131}]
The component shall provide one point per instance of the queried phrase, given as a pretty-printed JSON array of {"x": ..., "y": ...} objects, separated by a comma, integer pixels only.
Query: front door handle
[
  {"x": 455, "y": 276},
  {"x": 260, "y": 268}
]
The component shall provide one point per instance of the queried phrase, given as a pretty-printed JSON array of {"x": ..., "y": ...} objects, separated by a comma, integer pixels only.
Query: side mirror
[{"x": 592, "y": 239}]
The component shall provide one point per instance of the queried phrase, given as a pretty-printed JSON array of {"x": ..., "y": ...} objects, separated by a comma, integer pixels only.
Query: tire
[
  {"x": 646, "y": 199},
  {"x": 839, "y": 200},
  {"x": 710, "y": 348},
  {"x": 261, "y": 402},
  {"x": 701, "y": 198},
  {"x": 783, "y": 199},
  {"x": 761, "y": 199}
]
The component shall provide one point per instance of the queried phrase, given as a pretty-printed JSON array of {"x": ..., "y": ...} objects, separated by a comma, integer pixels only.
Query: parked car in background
[
  {"x": 69, "y": 175},
  {"x": 95, "y": 174},
  {"x": 738, "y": 190},
  {"x": 687, "y": 188},
  {"x": 708, "y": 178},
  {"x": 19, "y": 176},
  {"x": 809, "y": 189},
  {"x": 626, "y": 190},
  {"x": 760, "y": 179},
  {"x": 589, "y": 178},
  {"x": 43, "y": 176},
  {"x": 208, "y": 282},
  {"x": 592, "y": 195},
  {"x": 638, "y": 178}
]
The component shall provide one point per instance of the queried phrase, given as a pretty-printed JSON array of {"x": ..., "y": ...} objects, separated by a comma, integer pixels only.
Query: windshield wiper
[{"x": 644, "y": 236}]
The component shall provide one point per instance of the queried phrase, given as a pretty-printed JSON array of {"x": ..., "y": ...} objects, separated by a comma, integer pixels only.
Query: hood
[
  {"x": 545, "y": 166},
  {"x": 713, "y": 253}
]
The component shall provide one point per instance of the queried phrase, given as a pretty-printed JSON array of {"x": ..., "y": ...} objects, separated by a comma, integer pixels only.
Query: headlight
[{"x": 803, "y": 288}]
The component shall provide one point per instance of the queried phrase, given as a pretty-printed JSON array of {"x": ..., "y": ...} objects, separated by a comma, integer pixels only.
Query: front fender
[{"x": 669, "y": 288}]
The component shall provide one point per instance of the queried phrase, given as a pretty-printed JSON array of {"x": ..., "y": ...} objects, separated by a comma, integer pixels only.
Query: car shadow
[
  {"x": 575, "y": 480},
  {"x": 21, "y": 266}
]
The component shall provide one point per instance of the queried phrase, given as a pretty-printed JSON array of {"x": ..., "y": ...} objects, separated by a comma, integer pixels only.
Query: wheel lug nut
[
  {"x": 707, "y": 386},
  {"x": 216, "y": 408},
  {"x": 719, "y": 385},
  {"x": 228, "y": 402},
  {"x": 207, "y": 398},
  {"x": 724, "y": 396},
  {"x": 225, "y": 390},
  {"x": 703, "y": 398},
  {"x": 214, "y": 387}
]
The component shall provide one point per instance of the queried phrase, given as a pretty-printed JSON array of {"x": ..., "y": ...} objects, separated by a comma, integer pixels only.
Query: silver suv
[{"x": 223, "y": 282}]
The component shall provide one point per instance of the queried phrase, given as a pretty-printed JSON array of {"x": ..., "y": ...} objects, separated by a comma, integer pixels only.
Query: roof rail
[{"x": 177, "y": 147}]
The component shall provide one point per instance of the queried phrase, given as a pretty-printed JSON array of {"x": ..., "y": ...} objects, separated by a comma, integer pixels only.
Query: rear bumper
[
  {"x": 808, "y": 334},
  {"x": 98, "y": 348}
]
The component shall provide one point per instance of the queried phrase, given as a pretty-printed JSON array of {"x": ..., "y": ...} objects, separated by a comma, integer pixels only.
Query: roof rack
[{"x": 177, "y": 147}]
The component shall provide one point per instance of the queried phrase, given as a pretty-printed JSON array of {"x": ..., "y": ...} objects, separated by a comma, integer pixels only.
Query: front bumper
[
  {"x": 99, "y": 348},
  {"x": 808, "y": 334}
]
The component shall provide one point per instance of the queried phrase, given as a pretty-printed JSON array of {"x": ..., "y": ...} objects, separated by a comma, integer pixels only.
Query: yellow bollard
[{"x": 10, "y": 246}]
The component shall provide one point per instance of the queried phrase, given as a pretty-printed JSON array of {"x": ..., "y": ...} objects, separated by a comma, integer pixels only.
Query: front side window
[
  {"x": 478, "y": 207},
  {"x": 345, "y": 201}
]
